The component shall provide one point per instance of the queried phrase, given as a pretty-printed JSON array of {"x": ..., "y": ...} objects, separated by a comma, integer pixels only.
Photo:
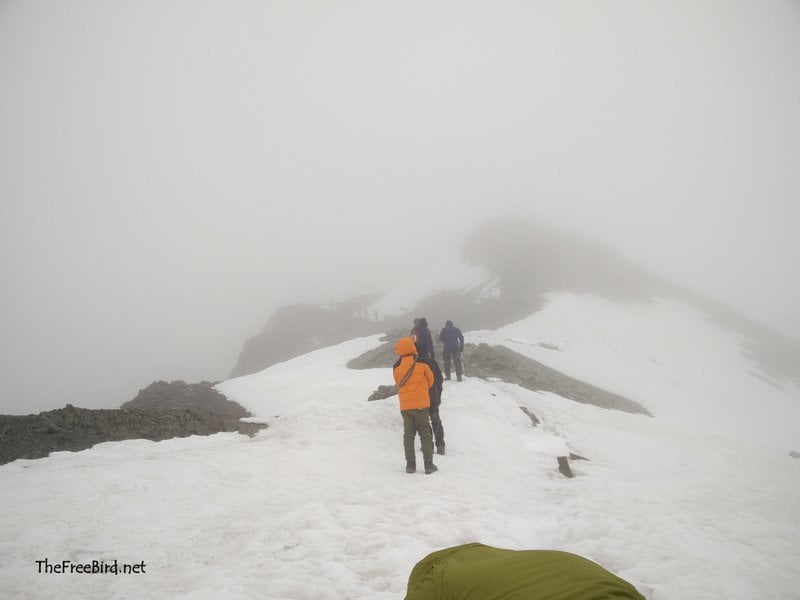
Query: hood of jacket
[
  {"x": 405, "y": 346},
  {"x": 448, "y": 324}
]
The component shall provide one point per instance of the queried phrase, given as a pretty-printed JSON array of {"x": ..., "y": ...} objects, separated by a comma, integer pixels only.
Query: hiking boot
[
  {"x": 411, "y": 467},
  {"x": 447, "y": 378},
  {"x": 440, "y": 450},
  {"x": 430, "y": 468}
]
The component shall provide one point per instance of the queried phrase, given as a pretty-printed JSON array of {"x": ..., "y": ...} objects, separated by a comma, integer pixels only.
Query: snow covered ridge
[
  {"x": 684, "y": 504},
  {"x": 667, "y": 355}
]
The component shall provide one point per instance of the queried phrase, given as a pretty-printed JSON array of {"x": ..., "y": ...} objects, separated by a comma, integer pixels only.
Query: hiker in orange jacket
[{"x": 413, "y": 380}]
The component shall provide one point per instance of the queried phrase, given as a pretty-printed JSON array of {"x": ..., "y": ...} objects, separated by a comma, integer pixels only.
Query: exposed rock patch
[
  {"x": 499, "y": 362},
  {"x": 72, "y": 428},
  {"x": 534, "y": 419},
  {"x": 181, "y": 395},
  {"x": 382, "y": 356}
]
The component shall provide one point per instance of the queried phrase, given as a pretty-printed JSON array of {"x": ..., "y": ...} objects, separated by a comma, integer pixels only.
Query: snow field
[
  {"x": 664, "y": 355},
  {"x": 318, "y": 506}
]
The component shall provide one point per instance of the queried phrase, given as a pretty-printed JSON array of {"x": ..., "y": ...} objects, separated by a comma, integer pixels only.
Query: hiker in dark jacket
[
  {"x": 425, "y": 338},
  {"x": 435, "y": 395},
  {"x": 453, "y": 341},
  {"x": 414, "y": 329}
]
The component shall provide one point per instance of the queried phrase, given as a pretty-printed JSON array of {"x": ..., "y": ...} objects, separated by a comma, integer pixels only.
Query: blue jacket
[{"x": 451, "y": 337}]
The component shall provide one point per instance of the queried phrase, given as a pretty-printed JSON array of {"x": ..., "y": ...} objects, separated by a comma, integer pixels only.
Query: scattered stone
[
  {"x": 563, "y": 466},
  {"x": 576, "y": 457},
  {"x": 550, "y": 346},
  {"x": 794, "y": 454},
  {"x": 533, "y": 417},
  {"x": 383, "y": 392}
]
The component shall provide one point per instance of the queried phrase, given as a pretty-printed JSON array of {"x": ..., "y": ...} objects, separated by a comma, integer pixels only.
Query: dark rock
[
  {"x": 563, "y": 466},
  {"x": 532, "y": 416},
  {"x": 498, "y": 361},
  {"x": 181, "y": 395},
  {"x": 383, "y": 392},
  {"x": 74, "y": 429},
  {"x": 382, "y": 356},
  {"x": 794, "y": 454},
  {"x": 549, "y": 346}
]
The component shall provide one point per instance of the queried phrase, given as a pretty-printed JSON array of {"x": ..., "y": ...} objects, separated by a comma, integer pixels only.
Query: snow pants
[
  {"x": 447, "y": 354},
  {"x": 436, "y": 424},
  {"x": 416, "y": 421}
]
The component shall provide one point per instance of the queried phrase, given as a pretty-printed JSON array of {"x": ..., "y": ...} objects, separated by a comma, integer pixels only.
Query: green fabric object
[{"x": 479, "y": 572}]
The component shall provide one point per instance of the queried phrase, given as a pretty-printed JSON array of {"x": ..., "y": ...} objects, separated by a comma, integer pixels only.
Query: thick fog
[{"x": 172, "y": 172}]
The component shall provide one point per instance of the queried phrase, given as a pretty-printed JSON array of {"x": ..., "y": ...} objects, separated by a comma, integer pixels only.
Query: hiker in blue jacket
[{"x": 453, "y": 341}]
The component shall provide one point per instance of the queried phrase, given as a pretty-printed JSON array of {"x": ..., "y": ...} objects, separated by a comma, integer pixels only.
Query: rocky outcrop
[
  {"x": 499, "y": 362},
  {"x": 73, "y": 429},
  {"x": 299, "y": 329},
  {"x": 202, "y": 396},
  {"x": 383, "y": 355}
]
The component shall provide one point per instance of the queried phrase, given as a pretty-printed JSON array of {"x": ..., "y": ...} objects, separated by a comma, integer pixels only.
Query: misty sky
[{"x": 172, "y": 172}]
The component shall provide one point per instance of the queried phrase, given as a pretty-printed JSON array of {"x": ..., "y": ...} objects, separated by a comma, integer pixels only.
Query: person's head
[
  {"x": 416, "y": 322},
  {"x": 449, "y": 323},
  {"x": 405, "y": 346},
  {"x": 423, "y": 322}
]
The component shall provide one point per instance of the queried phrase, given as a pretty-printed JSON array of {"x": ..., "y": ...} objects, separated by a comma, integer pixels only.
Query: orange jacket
[{"x": 414, "y": 394}]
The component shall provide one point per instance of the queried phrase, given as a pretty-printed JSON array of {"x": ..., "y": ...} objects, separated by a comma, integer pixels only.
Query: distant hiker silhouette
[
  {"x": 423, "y": 336},
  {"x": 453, "y": 342},
  {"x": 414, "y": 329},
  {"x": 413, "y": 378}
]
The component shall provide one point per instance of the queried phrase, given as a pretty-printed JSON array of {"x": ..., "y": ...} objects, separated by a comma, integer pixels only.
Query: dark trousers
[
  {"x": 447, "y": 354},
  {"x": 416, "y": 421},
  {"x": 436, "y": 425}
]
